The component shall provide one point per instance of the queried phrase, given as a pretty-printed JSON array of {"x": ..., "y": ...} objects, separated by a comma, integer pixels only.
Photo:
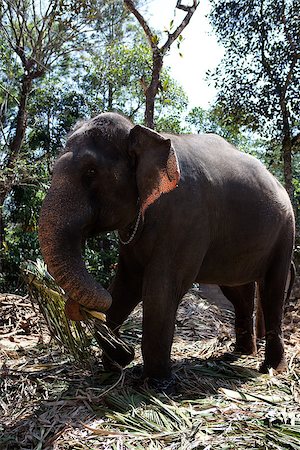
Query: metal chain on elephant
[{"x": 134, "y": 230}]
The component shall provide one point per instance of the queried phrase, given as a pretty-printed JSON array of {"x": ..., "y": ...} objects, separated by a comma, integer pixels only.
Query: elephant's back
[
  {"x": 226, "y": 172},
  {"x": 232, "y": 191},
  {"x": 238, "y": 211}
]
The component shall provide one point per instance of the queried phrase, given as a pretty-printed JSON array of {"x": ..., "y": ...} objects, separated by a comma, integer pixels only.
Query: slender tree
[{"x": 158, "y": 52}]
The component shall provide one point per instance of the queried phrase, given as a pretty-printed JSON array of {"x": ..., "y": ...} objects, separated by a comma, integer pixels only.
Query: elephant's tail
[{"x": 290, "y": 282}]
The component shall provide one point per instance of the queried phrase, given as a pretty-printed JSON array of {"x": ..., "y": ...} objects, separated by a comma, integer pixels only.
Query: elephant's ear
[{"x": 157, "y": 169}]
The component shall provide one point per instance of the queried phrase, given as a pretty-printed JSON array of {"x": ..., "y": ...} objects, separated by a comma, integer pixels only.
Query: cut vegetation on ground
[{"x": 49, "y": 401}]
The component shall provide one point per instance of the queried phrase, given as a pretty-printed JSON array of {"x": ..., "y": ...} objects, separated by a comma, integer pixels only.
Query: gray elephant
[{"x": 189, "y": 208}]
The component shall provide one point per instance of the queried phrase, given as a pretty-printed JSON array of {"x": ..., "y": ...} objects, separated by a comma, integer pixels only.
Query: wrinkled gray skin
[{"x": 210, "y": 214}]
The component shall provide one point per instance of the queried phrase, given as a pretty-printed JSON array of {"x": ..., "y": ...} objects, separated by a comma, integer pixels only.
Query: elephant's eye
[{"x": 90, "y": 173}]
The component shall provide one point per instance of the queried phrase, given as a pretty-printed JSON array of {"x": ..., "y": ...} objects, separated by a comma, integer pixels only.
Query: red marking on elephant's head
[
  {"x": 157, "y": 165},
  {"x": 167, "y": 181}
]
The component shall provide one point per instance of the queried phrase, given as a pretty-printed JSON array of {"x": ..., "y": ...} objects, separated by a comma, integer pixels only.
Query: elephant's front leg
[
  {"x": 160, "y": 302},
  {"x": 126, "y": 291}
]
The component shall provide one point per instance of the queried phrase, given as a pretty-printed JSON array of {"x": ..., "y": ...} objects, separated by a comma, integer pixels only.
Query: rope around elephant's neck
[{"x": 134, "y": 230}]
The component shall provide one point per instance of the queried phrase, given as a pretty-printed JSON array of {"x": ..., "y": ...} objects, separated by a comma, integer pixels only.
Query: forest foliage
[{"x": 61, "y": 61}]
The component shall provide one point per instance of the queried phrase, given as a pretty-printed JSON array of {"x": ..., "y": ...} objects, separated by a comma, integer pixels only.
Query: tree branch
[
  {"x": 172, "y": 37},
  {"x": 158, "y": 53},
  {"x": 294, "y": 46},
  {"x": 265, "y": 62},
  {"x": 9, "y": 93},
  {"x": 143, "y": 23},
  {"x": 289, "y": 77},
  {"x": 186, "y": 8}
]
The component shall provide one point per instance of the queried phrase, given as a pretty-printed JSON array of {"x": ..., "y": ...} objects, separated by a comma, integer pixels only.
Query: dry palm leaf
[{"x": 76, "y": 337}]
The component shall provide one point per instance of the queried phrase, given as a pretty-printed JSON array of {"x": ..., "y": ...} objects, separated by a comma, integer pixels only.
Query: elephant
[{"x": 187, "y": 209}]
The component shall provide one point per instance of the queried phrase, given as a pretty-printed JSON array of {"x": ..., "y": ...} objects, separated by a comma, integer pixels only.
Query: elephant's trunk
[{"x": 61, "y": 241}]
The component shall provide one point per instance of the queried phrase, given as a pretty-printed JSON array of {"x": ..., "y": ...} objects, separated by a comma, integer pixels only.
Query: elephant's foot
[
  {"x": 274, "y": 357},
  {"x": 245, "y": 343},
  {"x": 165, "y": 385},
  {"x": 158, "y": 376},
  {"x": 278, "y": 367}
]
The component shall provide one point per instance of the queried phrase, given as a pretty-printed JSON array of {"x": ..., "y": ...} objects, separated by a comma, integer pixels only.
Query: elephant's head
[{"x": 108, "y": 171}]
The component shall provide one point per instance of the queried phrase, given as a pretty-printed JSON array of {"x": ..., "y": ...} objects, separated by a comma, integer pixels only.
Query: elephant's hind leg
[
  {"x": 272, "y": 294},
  {"x": 242, "y": 298}
]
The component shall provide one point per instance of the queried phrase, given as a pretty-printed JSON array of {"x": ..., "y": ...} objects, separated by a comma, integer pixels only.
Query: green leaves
[
  {"x": 155, "y": 39},
  {"x": 258, "y": 80},
  {"x": 256, "y": 70}
]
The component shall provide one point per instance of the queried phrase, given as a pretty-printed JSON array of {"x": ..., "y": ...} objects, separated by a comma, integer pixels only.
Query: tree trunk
[
  {"x": 14, "y": 150},
  {"x": 287, "y": 166},
  {"x": 16, "y": 142},
  {"x": 1, "y": 238},
  {"x": 110, "y": 97},
  {"x": 286, "y": 149},
  {"x": 152, "y": 89}
]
